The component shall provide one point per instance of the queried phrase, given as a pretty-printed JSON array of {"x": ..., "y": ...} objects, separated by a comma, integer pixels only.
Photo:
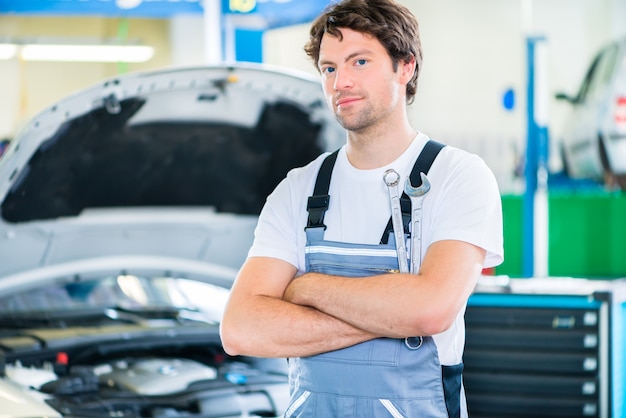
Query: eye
[
  {"x": 328, "y": 70},
  {"x": 361, "y": 61}
]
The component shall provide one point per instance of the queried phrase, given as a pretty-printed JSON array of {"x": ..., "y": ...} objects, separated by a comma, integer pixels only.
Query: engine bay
[{"x": 191, "y": 377}]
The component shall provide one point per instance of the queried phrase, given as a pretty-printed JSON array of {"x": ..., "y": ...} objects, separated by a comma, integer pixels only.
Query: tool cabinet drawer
[
  {"x": 530, "y": 386},
  {"x": 534, "y": 317},
  {"x": 532, "y": 362},
  {"x": 523, "y": 407},
  {"x": 529, "y": 340}
]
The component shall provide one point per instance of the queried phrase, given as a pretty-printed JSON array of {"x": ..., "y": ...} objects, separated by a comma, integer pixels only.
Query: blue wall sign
[{"x": 508, "y": 99}]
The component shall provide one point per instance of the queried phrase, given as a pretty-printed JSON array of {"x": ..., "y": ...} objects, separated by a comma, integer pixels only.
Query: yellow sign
[{"x": 241, "y": 6}]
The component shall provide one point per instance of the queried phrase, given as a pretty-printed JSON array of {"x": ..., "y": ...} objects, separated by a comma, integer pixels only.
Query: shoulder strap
[
  {"x": 317, "y": 204},
  {"x": 422, "y": 165},
  {"x": 425, "y": 161}
]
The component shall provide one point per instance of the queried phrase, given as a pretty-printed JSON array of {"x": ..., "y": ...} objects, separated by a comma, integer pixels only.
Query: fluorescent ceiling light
[
  {"x": 127, "y": 4},
  {"x": 87, "y": 53},
  {"x": 7, "y": 51}
]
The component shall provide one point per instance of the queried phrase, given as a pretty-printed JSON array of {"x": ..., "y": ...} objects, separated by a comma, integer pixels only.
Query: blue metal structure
[
  {"x": 274, "y": 13},
  {"x": 536, "y": 157}
]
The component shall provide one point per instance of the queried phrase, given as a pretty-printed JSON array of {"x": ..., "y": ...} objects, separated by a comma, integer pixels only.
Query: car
[
  {"x": 593, "y": 140},
  {"x": 4, "y": 143},
  {"x": 127, "y": 209}
]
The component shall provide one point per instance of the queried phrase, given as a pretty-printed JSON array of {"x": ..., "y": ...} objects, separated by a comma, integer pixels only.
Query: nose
[{"x": 343, "y": 80}]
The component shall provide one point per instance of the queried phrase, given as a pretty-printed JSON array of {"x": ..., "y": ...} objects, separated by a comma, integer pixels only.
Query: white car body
[
  {"x": 594, "y": 136},
  {"x": 127, "y": 209}
]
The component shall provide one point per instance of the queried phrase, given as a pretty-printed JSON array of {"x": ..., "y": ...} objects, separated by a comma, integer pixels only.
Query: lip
[{"x": 346, "y": 100}]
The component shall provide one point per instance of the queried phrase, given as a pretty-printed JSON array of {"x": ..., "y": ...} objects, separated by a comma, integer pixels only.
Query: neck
[{"x": 369, "y": 150}]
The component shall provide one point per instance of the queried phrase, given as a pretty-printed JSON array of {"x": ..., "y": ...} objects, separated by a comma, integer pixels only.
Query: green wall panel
[
  {"x": 512, "y": 224},
  {"x": 587, "y": 235}
]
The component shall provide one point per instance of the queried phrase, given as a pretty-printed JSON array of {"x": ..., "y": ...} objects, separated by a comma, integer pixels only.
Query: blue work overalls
[{"x": 384, "y": 377}]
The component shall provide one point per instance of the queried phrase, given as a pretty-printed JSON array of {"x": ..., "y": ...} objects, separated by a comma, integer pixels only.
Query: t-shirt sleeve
[
  {"x": 274, "y": 235},
  {"x": 470, "y": 209}
]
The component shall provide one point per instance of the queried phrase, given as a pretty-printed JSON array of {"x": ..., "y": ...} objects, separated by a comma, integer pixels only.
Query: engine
[{"x": 156, "y": 388}]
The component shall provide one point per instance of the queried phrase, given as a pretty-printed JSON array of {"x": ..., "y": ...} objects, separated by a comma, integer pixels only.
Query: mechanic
[{"x": 326, "y": 282}]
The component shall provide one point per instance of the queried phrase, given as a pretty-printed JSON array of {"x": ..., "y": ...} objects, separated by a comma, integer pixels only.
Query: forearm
[
  {"x": 265, "y": 326},
  {"x": 379, "y": 304},
  {"x": 398, "y": 305}
]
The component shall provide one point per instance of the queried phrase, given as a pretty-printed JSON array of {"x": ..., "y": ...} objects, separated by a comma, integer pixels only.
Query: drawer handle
[
  {"x": 590, "y": 363},
  {"x": 589, "y": 388},
  {"x": 591, "y": 341}
]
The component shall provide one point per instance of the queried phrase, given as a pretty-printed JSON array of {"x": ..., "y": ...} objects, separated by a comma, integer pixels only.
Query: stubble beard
[{"x": 358, "y": 122}]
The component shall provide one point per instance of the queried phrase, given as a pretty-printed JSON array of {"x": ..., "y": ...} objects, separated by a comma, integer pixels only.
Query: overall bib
[{"x": 384, "y": 377}]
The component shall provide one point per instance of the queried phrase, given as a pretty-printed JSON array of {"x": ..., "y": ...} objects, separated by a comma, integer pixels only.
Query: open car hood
[{"x": 173, "y": 164}]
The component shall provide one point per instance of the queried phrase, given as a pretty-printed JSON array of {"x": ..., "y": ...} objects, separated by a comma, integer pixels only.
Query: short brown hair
[{"x": 391, "y": 23}]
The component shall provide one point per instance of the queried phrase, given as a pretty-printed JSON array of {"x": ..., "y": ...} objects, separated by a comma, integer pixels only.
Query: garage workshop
[{"x": 140, "y": 140}]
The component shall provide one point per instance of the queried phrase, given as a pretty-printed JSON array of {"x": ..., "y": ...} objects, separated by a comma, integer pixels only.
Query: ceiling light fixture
[
  {"x": 7, "y": 51},
  {"x": 127, "y": 4},
  {"x": 86, "y": 53}
]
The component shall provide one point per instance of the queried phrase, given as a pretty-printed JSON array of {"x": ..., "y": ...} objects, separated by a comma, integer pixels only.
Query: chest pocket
[{"x": 350, "y": 260}]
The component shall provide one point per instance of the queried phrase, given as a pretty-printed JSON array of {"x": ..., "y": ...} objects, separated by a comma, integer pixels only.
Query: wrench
[
  {"x": 416, "y": 194},
  {"x": 392, "y": 179}
]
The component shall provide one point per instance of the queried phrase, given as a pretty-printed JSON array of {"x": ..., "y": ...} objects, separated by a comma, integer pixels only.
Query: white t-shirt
[{"x": 463, "y": 204}]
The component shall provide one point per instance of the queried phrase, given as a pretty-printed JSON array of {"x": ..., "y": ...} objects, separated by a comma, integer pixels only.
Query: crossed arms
[{"x": 270, "y": 313}]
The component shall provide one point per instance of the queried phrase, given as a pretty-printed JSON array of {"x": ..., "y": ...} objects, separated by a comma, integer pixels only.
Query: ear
[{"x": 407, "y": 69}]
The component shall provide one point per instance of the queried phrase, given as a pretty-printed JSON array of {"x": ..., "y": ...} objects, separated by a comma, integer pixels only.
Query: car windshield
[
  {"x": 149, "y": 297},
  {"x": 599, "y": 73}
]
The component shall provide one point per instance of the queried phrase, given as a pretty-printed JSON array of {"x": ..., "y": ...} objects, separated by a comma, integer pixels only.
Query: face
[{"x": 359, "y": 82}]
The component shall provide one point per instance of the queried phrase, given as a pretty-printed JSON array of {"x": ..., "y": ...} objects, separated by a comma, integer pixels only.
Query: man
[{"x": 321, "y": 284}]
